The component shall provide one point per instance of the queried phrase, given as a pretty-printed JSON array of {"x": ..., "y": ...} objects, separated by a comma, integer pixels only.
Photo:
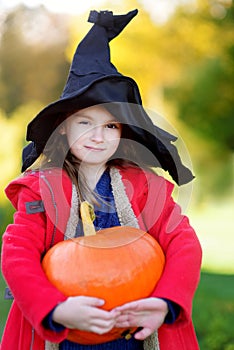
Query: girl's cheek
[{"x": 74, "y": 137}]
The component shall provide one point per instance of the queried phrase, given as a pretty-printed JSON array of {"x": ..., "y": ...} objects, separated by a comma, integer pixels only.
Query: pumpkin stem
[{"x": 87, "y": 217}]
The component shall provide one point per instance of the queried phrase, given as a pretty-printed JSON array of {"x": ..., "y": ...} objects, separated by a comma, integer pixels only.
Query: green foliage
[
  {"x": 6, "y": 215},
  {"x": 202, "y": 90},
  {"x": 213, "y": 312},
  {"x": 204, "y": 94},
  {"x": 4, "y": 305}
]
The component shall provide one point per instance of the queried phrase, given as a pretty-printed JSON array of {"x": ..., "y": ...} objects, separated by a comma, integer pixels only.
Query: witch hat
[{"x": 93, "y": 80}]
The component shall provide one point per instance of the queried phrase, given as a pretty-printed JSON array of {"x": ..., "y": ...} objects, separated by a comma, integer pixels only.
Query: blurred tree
[
  {"x": 32, "y": 59},
  {"x": 201, "y": 87},
  {"x": 204, "y": 94}
]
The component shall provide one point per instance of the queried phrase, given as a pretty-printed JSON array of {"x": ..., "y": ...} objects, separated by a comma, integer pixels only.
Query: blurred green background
[{"x": 181, "y": 53}]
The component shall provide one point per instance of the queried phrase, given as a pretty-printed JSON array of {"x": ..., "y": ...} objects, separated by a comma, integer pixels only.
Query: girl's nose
[{"x": 97, "y": 134}]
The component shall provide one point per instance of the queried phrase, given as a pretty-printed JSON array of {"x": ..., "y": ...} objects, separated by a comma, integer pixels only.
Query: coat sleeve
[
  {"x": 162, "y": 217},
  {"x": 23, "y": 245}
]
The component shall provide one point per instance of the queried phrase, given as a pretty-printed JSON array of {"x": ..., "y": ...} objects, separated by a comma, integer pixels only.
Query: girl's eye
[
  {"x": 83, "y": 122},
  {"x": 112, "y": 126}
]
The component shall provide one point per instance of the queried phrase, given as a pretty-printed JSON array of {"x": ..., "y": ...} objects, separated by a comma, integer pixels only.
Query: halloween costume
[
  {"x": 32, "y": 234},
  {"x": 43, "y": 199}
]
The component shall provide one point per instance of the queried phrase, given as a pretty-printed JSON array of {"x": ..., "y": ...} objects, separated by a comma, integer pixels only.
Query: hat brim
[
  {"x": 122, "y": 98},
  {"x": 114, "y": 88}
]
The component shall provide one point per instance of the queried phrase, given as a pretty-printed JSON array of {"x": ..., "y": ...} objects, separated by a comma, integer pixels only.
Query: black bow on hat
[{"x": 93, "y": 80}]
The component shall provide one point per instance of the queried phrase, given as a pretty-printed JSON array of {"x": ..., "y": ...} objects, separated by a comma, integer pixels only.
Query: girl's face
[{"x": 93, "y": 135}]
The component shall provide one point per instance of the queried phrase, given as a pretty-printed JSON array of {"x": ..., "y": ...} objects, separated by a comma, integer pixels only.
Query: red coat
[{"x": 26, "y": 240}]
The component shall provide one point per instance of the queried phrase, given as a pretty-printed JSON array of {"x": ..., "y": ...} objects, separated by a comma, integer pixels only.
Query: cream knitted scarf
[{"x": 126, "y": 217}]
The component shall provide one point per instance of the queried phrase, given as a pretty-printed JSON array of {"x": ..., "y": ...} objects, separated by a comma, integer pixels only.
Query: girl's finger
[
  {"x": 91, "y": 301},
  {"x": 127, "y": 307},
  {"x": 103, "y": 324},
  {"x": 102, "y": 328},
  {"x": 100, "y": 314},
  {"x": 143, "y": 334},
  {"x": 122, "y": 324}
]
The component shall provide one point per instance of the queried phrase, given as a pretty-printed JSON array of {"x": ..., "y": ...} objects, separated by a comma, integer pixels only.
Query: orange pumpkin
[{"x": 118, "y": 264}]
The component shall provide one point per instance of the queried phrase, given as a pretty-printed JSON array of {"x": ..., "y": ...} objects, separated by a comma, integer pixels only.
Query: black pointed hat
[{"x": 93, "y": 80}]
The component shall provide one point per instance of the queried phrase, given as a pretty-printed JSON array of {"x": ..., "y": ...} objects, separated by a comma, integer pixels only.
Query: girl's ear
[{"x": 62, "y": 130}]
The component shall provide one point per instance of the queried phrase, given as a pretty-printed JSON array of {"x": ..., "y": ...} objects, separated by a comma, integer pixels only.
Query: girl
[{"x": 94, "y": 145}]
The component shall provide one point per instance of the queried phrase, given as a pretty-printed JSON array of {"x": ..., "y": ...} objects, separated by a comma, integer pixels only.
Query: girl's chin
[{"x": 93, "y": 162}]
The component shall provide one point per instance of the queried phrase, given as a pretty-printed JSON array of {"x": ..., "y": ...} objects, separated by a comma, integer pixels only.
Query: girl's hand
[
  {"x": 83, "y": 313},
  {"x": 149, "y": 314}
]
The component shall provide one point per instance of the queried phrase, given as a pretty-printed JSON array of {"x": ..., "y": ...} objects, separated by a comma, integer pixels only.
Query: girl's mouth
[{"x": 94, "y": 149}]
